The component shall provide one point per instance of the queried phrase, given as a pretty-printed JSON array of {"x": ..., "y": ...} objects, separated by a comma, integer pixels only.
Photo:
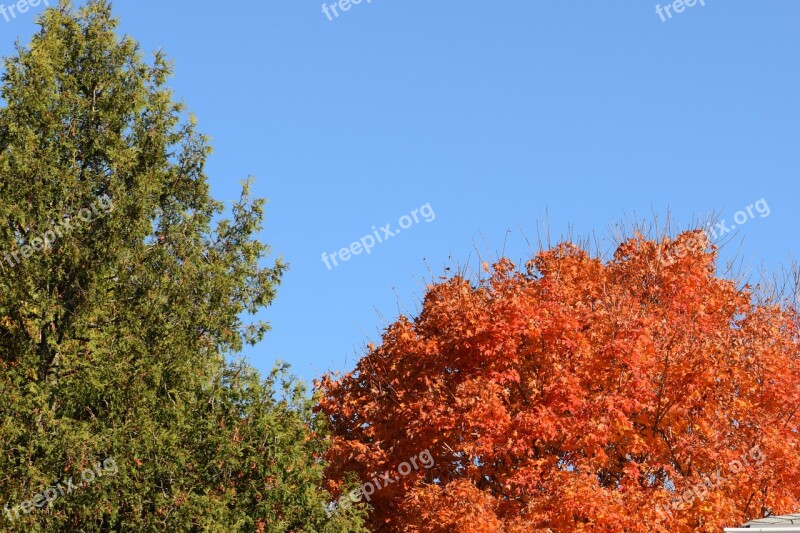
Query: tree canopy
[
  {"x": 121, "y": 298},
  {"x": 641, "y": 393}
]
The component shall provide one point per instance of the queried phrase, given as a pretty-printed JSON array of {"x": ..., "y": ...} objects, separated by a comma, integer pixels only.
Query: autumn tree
[
  {"x": 643, "y": 392},
  {"x": 122, "y": 293}
]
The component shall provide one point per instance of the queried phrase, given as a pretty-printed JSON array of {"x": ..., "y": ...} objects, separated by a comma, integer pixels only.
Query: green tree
[{"x": 120, "y": 303}]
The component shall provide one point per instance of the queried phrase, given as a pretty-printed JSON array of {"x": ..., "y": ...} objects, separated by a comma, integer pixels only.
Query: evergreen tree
[{"x": 121, "y": 294}]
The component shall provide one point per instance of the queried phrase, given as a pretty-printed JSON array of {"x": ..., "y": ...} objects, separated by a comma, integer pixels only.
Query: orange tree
[{"x": 642, "y": 393}]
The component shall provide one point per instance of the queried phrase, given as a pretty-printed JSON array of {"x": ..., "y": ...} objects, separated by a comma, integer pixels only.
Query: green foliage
[{"x": 114, "y": 336}]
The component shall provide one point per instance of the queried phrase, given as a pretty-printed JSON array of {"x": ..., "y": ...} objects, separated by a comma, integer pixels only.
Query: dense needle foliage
[{"x": 116, "y": 335}]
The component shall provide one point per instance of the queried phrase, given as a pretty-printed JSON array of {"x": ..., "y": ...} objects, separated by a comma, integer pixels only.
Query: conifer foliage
[{"x": 121, "y": 294}]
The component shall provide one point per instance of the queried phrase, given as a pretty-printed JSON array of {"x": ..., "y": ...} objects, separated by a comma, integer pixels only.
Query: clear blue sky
[{"x": 494, "y": 113}]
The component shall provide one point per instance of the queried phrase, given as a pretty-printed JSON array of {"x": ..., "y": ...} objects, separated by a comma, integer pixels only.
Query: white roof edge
[{"x": 785, "y": 529}]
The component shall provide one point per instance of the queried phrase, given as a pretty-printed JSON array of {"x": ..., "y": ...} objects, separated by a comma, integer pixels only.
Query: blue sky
[{"x": 504, "y": 116}]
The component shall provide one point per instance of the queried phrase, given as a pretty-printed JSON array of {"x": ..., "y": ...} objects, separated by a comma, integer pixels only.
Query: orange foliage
[{"x": 578, "y": 395}]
